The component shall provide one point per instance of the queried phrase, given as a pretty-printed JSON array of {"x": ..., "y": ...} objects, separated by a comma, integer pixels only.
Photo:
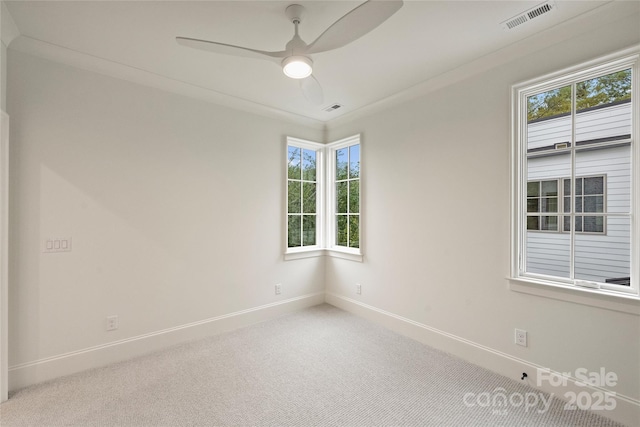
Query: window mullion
[
  {"x": 572, "y": 221},
  {"x": 348, "y": 182}
]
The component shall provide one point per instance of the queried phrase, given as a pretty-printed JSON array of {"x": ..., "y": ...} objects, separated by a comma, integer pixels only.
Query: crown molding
[
  {"x": 120, "y": 71},
  {"x": 8, "y": 28}
]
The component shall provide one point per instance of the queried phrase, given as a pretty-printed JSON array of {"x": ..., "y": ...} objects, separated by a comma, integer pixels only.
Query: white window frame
[
  {"x": 325, "y": 199},
  {"x": 310, "y": 250},
  {"x": 331, "y": 197},
  {"x": 606, "y": 296}
]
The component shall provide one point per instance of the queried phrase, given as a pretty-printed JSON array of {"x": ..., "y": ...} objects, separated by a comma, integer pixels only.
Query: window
[
  {"x": 544, "y": 197},
  {"x": 574, "y": 162},
  {"x": 303, "y": 225},
  {"x": 590, "y": 198},
  {"x": 344, "y": 169},
  {"x": 347, "y": 191},
  {"x": 320, "y": 221}
]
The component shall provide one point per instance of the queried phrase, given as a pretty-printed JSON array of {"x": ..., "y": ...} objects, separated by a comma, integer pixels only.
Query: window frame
[
  {"x": 573, "y": 290},
  {"x": 319, "y": 150},
  {"x": 332, "y": 215},
  {"x": 325, "y": 201}
]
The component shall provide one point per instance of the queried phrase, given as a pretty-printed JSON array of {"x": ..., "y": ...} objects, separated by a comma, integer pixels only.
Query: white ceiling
[{"x": 424, "y": 39}]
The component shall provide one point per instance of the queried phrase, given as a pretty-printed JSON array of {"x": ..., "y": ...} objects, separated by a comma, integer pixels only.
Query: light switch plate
[{"x": 57, "y": 244}]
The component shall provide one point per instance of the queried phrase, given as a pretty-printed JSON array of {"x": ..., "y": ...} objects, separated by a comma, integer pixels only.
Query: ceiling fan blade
[
  {"x": 229, "y": 49},
  {"x": 312, "y": 90},
  {"x": 355, "y": 24}
]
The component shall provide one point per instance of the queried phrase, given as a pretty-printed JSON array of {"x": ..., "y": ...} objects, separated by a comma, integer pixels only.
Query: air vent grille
[
  {"x": 517, "y": 21},
  {"x": 332, "y": 107},
  {"x": 528, "y": 15},
  {"x": 539, "y": 11}
]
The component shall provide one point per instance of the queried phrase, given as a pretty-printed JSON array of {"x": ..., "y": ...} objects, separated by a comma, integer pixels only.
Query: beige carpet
[{"x": 318, "y": 367}]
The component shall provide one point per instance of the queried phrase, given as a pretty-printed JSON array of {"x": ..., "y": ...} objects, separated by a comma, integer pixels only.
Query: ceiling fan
[{"x": 295, "y": 59}]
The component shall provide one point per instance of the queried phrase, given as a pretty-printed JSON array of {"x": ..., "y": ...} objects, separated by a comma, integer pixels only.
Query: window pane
[
  {"x": 309, "y": 165},
  {"x": 294, "y": 201},
  {"x": 594, "y": 185},
  {"x": 549, "y": 188},
  {"x": 603, "y": 90},
  {"x": 341, "y": 197},
  {"x": 603, "y": 107},
  {"x": 533, "y": 189},
  {"x": 354, "y": 161},
  {"x": 578, "y": 204},
  {"x": 567, "y": 186},
  {"x": 354, "y": 231},
  {"x": 309, "y": 230},
  {"x": 294, "y": 155},
  {"x": 579, "y": 184},
  {"x": 548, "y": 253},
  {"x": 294, "y": 231},
  {"x": 606, "y": 257},
  {"x": 533, "y": 205},
  {"x": 613, "y": 165},
  {"x": 309, "y": 197},
  {"x": 593, "y": 204},
  {"x": 593, "y": 224},
  {"x": 341, "y": 164},
  {"x": 341, "y": 230},
  {"x": 354, "y": 196},
  {"x": 533, "y": 223},
  {"x": 549, "y": 223},
  {"x": 577, "y": 221},
  {"x": 549, "y": 104},
  {"x": 549, "y": 204},
  {"x": 549, "y": 110},
  {"x": 567, "y": 205}
]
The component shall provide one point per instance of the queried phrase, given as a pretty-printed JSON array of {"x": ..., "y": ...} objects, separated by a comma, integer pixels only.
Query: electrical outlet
[
  {"x": 112, "y": 323},
  {"x": 278, "y": 289},
  {"x": 521, "y": 337},
  {"x": 358, "y": 288}
]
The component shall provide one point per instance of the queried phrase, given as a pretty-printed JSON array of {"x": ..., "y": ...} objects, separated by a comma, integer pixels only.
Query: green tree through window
[
  {"x": 347, "y": 190},
  {"x": 603, "y": 90},
  {"x": 301, "y": 197}
]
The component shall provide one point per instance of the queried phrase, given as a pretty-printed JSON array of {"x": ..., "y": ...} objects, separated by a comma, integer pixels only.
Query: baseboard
[
  {"x": 626, "y": 411},
  {"x": 38, "y": 371}
]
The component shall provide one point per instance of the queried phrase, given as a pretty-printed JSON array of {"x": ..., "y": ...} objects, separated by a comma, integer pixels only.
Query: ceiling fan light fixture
[{"x": 297, "y": 67}]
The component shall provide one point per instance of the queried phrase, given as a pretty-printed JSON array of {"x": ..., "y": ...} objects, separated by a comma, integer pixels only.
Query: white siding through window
[
  {"x": 590, "y": 125},
  {"x": 597, "y": 256}
]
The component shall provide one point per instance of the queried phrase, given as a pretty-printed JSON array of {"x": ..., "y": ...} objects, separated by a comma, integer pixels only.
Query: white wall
[
  {"x": 3, "y": 77},
  {"x": 3, "y": 222},
  {"x": 174, "y": 207},
  {"x": 436, "y": 220}
]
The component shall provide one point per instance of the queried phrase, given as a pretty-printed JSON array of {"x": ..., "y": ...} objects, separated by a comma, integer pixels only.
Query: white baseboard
[
  {"x": 41, "y": 370},
  {"x": 626, "y": 411}
]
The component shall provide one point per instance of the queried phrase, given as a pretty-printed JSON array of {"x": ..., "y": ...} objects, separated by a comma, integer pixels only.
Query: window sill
[
  {"x": 626, "y": 303},
  {"x": 334, "y": 253},
  {"x": 300, "y": 254}
]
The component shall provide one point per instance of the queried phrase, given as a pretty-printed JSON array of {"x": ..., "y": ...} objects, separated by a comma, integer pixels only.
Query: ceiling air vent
[
  {"x": 528, "y": 15},
  {"x": 332, "y": 107}
]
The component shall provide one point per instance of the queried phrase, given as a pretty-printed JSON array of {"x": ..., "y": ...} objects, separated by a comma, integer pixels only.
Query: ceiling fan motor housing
[{"x": 295, "y": 13}]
